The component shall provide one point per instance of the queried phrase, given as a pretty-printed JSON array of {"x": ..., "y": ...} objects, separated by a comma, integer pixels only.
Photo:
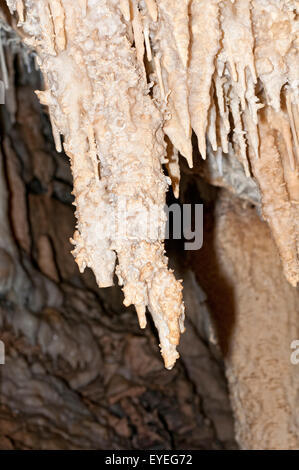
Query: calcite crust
[{"x": 120, "y": 76}]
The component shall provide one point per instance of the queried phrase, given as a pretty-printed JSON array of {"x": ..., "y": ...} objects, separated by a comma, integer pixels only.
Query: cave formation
[{"x": 149, "y": 101}]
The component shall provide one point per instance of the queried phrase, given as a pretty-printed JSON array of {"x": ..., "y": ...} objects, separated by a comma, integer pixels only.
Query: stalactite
[
  {"x": 172, "y": 41},
  {"x": 87, "y": 102},
  {"x": 228, "y": 70},
  {"x": 278, "y": 208},
  {"x": 205, "y": 36}
]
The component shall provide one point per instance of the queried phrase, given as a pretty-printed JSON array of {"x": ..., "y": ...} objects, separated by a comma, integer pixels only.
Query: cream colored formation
[{"x": 120, "y": 75}]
